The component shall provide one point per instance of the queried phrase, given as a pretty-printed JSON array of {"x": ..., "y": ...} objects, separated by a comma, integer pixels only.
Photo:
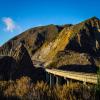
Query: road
[{"x": 80, "y": 76}]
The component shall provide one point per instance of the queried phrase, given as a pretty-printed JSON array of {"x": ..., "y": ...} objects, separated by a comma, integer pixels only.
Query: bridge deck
[{"x": 80, "y": 76}]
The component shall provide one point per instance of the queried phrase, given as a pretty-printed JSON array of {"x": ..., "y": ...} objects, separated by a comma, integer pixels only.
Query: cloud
[
  {"x": 39, "y": 25},
  {"x": 10, "y": 24}
]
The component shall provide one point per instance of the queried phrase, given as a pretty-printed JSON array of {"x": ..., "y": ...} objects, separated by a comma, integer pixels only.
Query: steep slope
[
  {"x": 18, "y": 65},
  {"x": 87, "y": 36},
  {"x": 44, "y": 43},
  {"x": 74, "y": 61},
  {"x": 33, "y": 38},
  {"x": 49, "y": 50},
  {"x": 83, "y": 37},
  {"x": 22, "y": 56}
]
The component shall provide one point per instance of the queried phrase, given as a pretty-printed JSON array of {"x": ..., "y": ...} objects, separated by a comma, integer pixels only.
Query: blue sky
[{"x": 17, "y": 16}]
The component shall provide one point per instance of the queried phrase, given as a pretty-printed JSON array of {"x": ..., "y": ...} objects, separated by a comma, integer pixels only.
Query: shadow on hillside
[
  {"x": 11, "y": 70},
  {"x": 80, "y": 68},
  {"x": 36, "y": 74}
]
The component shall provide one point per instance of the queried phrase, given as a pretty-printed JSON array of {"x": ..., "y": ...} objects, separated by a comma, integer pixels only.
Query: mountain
[
  {"x": 53, "y": 44},
  {"x": 83, "y": 38},
  {"x": 33, "y": 38},
  {"x": 18, "y": 65}
]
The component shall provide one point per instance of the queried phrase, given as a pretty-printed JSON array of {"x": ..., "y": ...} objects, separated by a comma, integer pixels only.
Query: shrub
[{"x": 24, "y": 89}]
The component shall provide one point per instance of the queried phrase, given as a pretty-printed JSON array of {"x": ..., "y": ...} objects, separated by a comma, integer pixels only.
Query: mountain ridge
[{"x": 45, "y": 42}]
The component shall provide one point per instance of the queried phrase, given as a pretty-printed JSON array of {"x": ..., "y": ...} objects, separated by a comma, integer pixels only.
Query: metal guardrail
[{"x": 85, "y": 77}]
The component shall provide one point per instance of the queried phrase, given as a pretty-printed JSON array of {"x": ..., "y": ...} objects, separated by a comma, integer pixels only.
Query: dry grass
[{"x": 24, "y": 89}]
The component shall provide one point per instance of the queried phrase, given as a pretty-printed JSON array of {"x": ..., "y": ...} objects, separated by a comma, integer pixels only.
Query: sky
[{"x": 17, "y": 16}]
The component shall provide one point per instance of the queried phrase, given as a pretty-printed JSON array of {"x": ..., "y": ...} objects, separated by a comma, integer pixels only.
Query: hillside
[
  {"x": 82, "y": 38},
  {"x": 46, "y": 42},
  {"x": 34, "y": 38}
]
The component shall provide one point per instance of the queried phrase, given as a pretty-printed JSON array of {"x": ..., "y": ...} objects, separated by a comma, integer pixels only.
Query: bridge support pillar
[
  {"x": 51, "y": 79},
  {"x": 84, "y": 82},
  {"x": 47, "y": 77},
  {"x": 58, "y": 80},
  {"x": 67, "y": 81}
]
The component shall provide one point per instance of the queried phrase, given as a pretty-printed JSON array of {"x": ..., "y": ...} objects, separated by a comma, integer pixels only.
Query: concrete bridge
[{"x": 55, "y": 76}]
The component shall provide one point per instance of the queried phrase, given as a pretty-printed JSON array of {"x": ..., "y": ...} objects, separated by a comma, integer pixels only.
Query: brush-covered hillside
[{"x": 63, "y": 46}]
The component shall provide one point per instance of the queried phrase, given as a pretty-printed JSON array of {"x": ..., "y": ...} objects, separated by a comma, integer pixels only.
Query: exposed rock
[
  {"x": 34, "y": 38},
  {"x": 83, "y": 37},
  {"x": 86, "y": 36},
  {"x": 44, "y": 43},
  {"x": 70, "y": 60},
  {"x": 20, "y": 65},
  {"x": 22, "y": 56},
  {"x": 24, "y": 61}
]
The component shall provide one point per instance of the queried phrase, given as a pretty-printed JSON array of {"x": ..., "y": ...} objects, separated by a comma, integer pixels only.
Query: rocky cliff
[
  {"x": 18, "y": 65},
  {"x": 45, "y": 43}
]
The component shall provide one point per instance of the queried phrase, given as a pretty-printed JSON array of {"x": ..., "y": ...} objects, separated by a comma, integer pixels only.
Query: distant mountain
[{"x": 53, "y": 44}]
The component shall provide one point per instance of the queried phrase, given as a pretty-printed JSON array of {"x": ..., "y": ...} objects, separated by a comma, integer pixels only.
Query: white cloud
[
  {"x": 10, "y": 24},
  {"x": 39, "y": 25}
]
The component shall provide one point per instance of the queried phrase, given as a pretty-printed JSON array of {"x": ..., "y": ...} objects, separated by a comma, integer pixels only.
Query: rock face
[
  {"x": 74, "y": 61},
  {"x": 44, "y": 43},
  {"x": 83, "y": 37},
  {"x": 34, "y": 38},
  {"x": 86, "y": 36},
  {"x": 22, "y": 56},
  {"x": 18, "y": 65},
  {"x": 23, "y": 59}
]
